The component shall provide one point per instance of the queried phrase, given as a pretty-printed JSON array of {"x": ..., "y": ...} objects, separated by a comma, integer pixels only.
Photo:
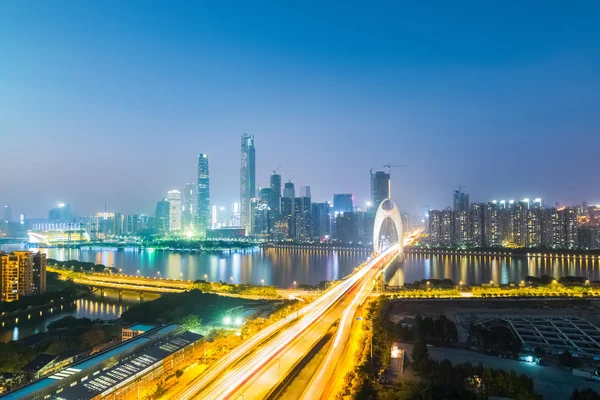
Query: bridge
[{"x": 259, "y": 365}]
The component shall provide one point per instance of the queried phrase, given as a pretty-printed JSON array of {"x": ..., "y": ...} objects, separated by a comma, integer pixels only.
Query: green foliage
[
  {"x": 80, "y": 334},
  {"x": 25, "y": 302},
  {"x": 191, "y": 323},
  {"x": 568, "y": 361},
  {"x": 498, "y": 339},
  {"x": 80, "y": 266},
  {"x": 239, "y": 289},
  {"x": 14, "y": 356},
  {"x": 427, "y": 329},
  {"x": 173, "y": 307}
]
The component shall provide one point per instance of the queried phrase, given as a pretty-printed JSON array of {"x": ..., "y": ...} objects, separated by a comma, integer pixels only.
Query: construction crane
[
  {"x": 389, "y": 167},
  {"x": 277, "y": 169},
  {"x": 460, "y": 187}
]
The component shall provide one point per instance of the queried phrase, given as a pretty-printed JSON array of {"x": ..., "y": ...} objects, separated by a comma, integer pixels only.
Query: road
[{"x": 259, "y": 372}]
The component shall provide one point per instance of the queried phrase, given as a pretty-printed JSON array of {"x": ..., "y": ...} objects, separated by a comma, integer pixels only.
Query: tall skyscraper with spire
[
  {"x": 247, "y": 178},
  {"x": 203, "y": 216}
]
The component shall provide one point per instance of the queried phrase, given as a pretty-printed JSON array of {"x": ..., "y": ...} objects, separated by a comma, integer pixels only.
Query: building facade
[
  {"x": 247, "y": 178},
  {"x": 380, "y": 188},
  {"x": 203, "y": 214},
  {"x": 174, "y": 198},
  {"x": 16, "y": 275}
]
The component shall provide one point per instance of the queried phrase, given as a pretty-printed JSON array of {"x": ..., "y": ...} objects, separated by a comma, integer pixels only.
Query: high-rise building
[
  {"x": 16, "y": 275},
  {"x": 342, "y": 203},
  {"x": 477, "y": 224},
  {"x": 204, "y": 210},
  {"x": 380, "y": 187},
  {"x": 462, "y": 228},
  {"x": 304, "y": 191},
  {"x": 491, "y": 225},
  {"x": 174, "y": 198},
  {"x": 302, "y": 218},
  {"x": 163, "y": 212},
  {"x": 460, "y": 201},
  {"x": 190, "y": 206},
  {"x": 275, "y": 202},
  {"x": 320, "y": 220},
  {"x": 39, "y": 273},
  {"x": 247, "y": 178},
  {"x": 287, "y": 211}
]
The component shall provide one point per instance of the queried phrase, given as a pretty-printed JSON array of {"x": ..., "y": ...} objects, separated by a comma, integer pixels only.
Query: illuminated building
[
  {"x": 48, "y": 235},
  {"x": 136, "y": 223},
  {"x": 477, "y": 224},
  {"x": 287, "y": 211},
  {"x": 380, "y": 188},
  {"x": 247, "y": 178},
  {"x": 162, "y": 215},
  {"x": 275, "y": 202},
  {"x": 491, "y": 225},
  {"x": 203, "y": 220},
  {"x": 174, "y": 199},
  {"x": 16, "y": 275},
  {"x": 320, "y": 220},
  {"x": 447, "y": 228},
  {"x": 39, "y": 273},
  {"x": 190, "y": 205},
  {"x": 462, "y": 228},
  {"x": 588, "y": 237},
  {"x": 346, "y": 227},
  {"x": 260, "y": 217},
  {"x": 302, "y": 218},
  {"x": 434, "y": 226},
  {"x": 342, "y": 203}
]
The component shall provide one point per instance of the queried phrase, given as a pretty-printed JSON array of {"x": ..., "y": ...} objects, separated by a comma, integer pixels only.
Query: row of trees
[
  {"x": 174, "y": 307},
  {"x": 439, "y": 380},
  {"x": 240, "y": 289},
  {"x": 427, "y": 329},
  {"x": 80, "y": 266}
]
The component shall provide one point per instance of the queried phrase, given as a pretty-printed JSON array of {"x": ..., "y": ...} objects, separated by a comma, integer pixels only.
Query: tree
[
  {"x": 567, "y": 360},
  {"x": 585, "y": 394},
  {"x": 420, "y": 357},
  {"x": 191, "y": 322}
]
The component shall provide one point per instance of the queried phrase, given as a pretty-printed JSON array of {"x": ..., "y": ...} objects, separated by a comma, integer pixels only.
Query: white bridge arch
[{"x": 392, "y": 212}]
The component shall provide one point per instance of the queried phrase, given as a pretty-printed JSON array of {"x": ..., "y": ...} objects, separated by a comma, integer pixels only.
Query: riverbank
[{"x": 501, "y": 252}]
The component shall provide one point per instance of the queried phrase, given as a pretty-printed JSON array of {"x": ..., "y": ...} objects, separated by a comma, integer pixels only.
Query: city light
[{"x": 227, "y": 320}]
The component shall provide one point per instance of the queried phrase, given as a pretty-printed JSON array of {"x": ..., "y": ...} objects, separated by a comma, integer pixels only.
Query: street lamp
[
  {"x": 427, "y": 285},
  {"x": 294, "y": 285},
  {"x": 459, "y": 285},
  {"x": 205, "y": 277},
  {"x": 231, "y": 279},
  {"x": 181, "y": 275},
  {"x": 137, "y": 272},
  {"x": 262, "y": 281}
]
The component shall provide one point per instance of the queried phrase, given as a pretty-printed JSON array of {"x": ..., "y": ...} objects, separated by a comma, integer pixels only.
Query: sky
[{"x": 111, "y": 101}]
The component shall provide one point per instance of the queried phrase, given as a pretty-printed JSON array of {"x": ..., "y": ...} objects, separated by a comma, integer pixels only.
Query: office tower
[
  {"x": 447, "y": 228},
  {"x": 260, "y": 219},
  {"x": 39, "y": 273},
  {"x": 275, "y": 203},
  {"x": 247, "y": 177},
  {"x": 287, "y": 211},
  {"x": 204, "y": 211},
  {"x": 16, "y": 275},
  {"x": 289, "y": 191},
  {"x": 460, "y": 201},
  {"x": 477, "y": 224},
  {"x": 302, "y": 218},
  {"x": 346, "y": 227},
  {"x": 342, "y": 203},
  {"x": 8, "y": 213},
  {"x": 163, "y": 208},
  {"x": 174, "y": 198},
  {"x": 320, "y": 220},
  {"x": 380, "y": 188},
  {"x": 190, "y": 206}
]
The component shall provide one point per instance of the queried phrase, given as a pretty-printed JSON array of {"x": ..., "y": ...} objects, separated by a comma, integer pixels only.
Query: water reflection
[
  {"x": 483, "y": 269},
  {"x": 279, "y": 267}
]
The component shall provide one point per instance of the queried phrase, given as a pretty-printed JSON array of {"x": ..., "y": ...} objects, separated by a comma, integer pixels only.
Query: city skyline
[{"x": 455, "y": 107}]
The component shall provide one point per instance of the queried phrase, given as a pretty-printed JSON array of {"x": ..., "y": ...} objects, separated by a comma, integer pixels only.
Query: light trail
[{"x": 232, "y": 380}]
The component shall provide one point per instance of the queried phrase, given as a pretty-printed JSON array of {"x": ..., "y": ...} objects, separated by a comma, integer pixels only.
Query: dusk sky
[{"x": 111, "y": 101}]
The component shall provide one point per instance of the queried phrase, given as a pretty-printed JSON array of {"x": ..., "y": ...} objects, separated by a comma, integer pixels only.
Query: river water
[{"x": 281, "y": 267}]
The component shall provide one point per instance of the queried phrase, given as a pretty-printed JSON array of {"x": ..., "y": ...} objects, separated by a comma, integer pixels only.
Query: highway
[{"x": 253, "y": 374}]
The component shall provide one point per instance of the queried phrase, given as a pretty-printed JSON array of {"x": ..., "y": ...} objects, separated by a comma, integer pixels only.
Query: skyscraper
[
  {"x": 247, "y": 178},
  {"x": 342, "y": 203},
  {"x": 39, "y": 273},
  {"x": 162, "y": 214},
  {"x": 275, "y": 203},
  {"x": 16, "y": 275},
  {"x": 190, "y": 205},
  {"x": 174, "y": 197},
  {"x": 380, "y": 188},
  {"x": 287, "y": 210},
  {"x": 204, "y": 211}
]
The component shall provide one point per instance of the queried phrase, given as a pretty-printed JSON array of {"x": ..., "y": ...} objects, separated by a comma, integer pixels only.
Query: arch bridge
[{"x": 388, "y": 229}]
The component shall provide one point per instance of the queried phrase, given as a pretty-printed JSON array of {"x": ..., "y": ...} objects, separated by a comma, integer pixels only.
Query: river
[{"x": 281, "y": 267}]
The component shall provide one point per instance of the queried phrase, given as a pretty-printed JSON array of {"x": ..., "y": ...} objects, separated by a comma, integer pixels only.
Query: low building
[
  {"x": 111, "y": 372},
  {"x": 132, "y": 331}
]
